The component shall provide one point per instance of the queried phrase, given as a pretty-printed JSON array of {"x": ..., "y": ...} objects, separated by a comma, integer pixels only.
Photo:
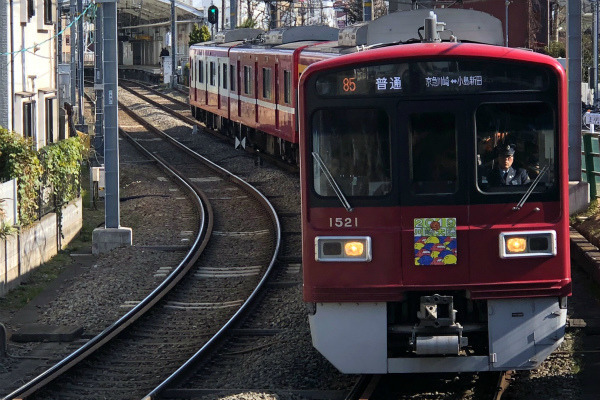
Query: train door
[
  {"x": 239, "y": 88},
  {"x": 276, "y": 96},
  {"x": 196, "y": 69},
  {"x": 434, "y": 214},
  {"x": 256, "y": 90}
]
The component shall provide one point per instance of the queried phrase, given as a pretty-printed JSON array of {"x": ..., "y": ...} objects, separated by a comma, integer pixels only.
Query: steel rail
[
  {"x": 244, "y": 308},
  {"x": 142, "y": 307},
  {"x": 194, "y": 122}
]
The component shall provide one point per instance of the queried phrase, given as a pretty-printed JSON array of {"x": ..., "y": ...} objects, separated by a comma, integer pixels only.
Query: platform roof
[{"x": 134, "y": 13}]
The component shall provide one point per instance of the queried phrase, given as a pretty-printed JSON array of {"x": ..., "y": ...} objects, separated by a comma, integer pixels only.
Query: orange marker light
[
  {"x": 516, "y": 245},
  {"x": 354, "y": 249}
]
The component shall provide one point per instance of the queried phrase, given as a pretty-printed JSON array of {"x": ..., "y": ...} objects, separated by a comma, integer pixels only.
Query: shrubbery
[{"x": 56, "y": 166}]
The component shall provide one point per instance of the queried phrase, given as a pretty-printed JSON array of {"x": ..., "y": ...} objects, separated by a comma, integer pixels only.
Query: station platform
[{"x": 146, "y": 73}]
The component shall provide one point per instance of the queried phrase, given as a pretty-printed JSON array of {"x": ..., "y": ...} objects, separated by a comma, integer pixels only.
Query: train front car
[{"x": 419, "y": 255}]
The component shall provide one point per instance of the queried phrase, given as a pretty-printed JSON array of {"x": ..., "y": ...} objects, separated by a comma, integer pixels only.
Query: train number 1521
[{"x": 343, "y": 222}]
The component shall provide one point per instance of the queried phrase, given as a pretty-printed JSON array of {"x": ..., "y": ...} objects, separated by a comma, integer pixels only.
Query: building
[{"x": 28, "y": 96}]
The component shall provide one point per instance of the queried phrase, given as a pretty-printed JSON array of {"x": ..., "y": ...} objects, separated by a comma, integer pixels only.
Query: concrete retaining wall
[{"x": 24, "y": 251}]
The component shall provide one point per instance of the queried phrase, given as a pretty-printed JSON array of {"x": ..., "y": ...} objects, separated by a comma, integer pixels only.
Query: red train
[{"x": 419, "y": 253}]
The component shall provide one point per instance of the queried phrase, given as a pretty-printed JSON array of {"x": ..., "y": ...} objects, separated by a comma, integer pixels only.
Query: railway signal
[{"x": 213, "y": 14}]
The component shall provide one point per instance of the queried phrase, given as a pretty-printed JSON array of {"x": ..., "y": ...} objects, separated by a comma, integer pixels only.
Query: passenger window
[
  {"x": 232, "y": 78},
  {"x": 212, "y": 73},
  {"x": 247, "y": 79},
  {"x": 287, "y": 87},
  {"x": 224, "y": 76},
  {"x": 200, "y": 71},
  {"x": 355, "y": 146},
  {"x": 515, "y": 144},
  {"x": 266, "y": 83},
  {"x": 433, "y": 165}
]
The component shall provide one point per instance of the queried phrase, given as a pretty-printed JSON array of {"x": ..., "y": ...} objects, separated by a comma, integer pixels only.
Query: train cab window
[
  {"x": 200, "y": 71},
  {"x": 213, "y": 73},
  {"x": 515, "y": 145},
  {"x": 247, "y": 79},
  {"x": 232, "y": 77},
  {"x": 224, "y": 76},
  {"x": 354, "y": 145},
  {"x": 287, "y": 87},
  {"x": 266, "y": 94},
  {"x": 433, "y": 161}
]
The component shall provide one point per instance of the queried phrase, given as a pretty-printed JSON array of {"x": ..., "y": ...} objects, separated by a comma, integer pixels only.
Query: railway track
[
  {"x": 180, "y": 109},
  {"x": 181, "y": 315},
  {"x": 485, "y": 386}
]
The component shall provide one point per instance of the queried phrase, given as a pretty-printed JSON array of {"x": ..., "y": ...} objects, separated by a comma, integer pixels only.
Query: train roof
[
  {"x": 403, "y": 26},
  {"x": 406, "y": 52},
  {"x": 300, "y": 33}
]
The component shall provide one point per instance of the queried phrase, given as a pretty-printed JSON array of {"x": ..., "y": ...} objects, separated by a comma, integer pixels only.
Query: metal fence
[{"x": 590, "y": 161}]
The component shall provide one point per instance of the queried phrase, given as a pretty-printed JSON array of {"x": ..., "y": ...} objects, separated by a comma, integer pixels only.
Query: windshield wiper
[
  {"x": 332, "y": 182},
  {"x": 530, "y": 189}
]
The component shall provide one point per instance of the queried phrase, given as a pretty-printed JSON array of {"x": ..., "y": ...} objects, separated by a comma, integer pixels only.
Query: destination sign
[{"x": 439, "y": 77}]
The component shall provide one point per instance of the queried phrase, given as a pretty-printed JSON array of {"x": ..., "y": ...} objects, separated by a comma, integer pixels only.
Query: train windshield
[
  {"x": 354, "y": 145},
  {"x": 515, "y": 145},
  {"x": 434, "y": 168}
]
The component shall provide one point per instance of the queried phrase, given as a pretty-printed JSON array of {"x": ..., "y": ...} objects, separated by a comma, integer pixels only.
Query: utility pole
[
  {"x": 73, "y": 49},
  {"x": 113, "y": 234},
  {"x": 233, "y": 13},
  {"x": 574, "y": 87},
  {"x": 367, "y": 10},
  {"x": 506, "y": 4},
  {"x": 98, "y": 79},
  {"x": 173, "y": 45},
  {"x": 595, "y": 7},
  {"x": 80, "y": 50}
]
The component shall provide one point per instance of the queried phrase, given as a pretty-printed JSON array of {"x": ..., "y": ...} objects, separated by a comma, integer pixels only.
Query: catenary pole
[
  {"x": 98, "y": 79},
  {"x": 173, "y": 44},
  {"x": 574, "y": 87},
  {"x": 111, "y": 116}
]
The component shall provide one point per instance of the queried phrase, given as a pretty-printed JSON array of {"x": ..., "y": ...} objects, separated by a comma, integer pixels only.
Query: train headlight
[
  {"x": 516, "y": 244},
  {"x": 343, "y": 248},
  {"x": 527, "y": 244}
]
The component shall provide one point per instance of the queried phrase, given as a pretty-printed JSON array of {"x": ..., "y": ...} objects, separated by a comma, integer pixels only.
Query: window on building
[
  {"x": 266, "y": 83},
  {"x": 28, "y": 121},
  {"x": 30, "y": 9},
  {"x": 50, "y": 102},
  {"x": 48, "y": 20}
]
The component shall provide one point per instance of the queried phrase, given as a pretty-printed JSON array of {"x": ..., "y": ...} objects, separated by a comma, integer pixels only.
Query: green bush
[
  {"x": 57, "y": 165},
  {"x": 19, "y": 160}
]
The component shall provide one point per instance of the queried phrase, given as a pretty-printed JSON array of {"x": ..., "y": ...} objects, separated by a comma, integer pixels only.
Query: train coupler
[{"x": 437, "y": 332}]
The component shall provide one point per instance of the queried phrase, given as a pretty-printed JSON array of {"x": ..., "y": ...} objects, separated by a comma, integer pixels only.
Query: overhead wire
[{"x": 32, "y": 49}]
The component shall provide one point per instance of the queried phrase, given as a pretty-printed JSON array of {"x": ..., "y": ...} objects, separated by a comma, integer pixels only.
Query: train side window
[
  {"x": 287, "y": 87},
  {"x": 200, "y": 71},
  {"x": 433, "y": 162},
  {"x": 266, "y": 83},
  {"x": 515, "y": 143},
  {"x": 213, "y": 73},
  {"x": 224, "y": 76},
  {"x": 355, "y": 146},
  {"x": 247, "y": 79},
  {"x": 232, "y": 77}
]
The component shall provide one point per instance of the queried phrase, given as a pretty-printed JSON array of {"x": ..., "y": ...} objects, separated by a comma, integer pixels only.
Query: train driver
[{"x": 503, "y": 174}]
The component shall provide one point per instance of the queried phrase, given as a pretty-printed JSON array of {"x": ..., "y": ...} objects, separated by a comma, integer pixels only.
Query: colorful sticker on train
[{"x": 435, "y": 241}]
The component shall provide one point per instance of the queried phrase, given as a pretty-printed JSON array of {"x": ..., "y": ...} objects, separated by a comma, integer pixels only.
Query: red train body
[{"x": 416, "y": 257}]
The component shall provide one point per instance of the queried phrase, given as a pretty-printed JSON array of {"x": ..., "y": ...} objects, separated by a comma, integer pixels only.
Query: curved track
[{"x": 181, "y": 315}]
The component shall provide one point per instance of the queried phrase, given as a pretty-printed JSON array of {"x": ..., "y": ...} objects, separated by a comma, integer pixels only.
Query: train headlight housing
[
  {"x": 343, "y": 248},
  {"x": 527, "y": 244}
]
